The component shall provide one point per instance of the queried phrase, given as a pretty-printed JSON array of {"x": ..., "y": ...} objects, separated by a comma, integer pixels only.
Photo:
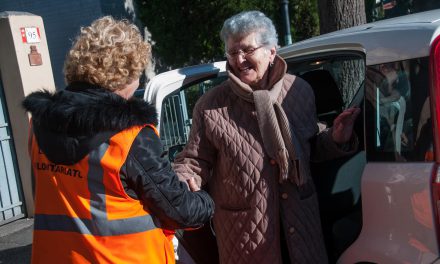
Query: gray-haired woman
[{"x": 251, "y": 141}]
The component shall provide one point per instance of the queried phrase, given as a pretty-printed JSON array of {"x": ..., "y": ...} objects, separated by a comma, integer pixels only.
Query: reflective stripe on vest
[{"x": 98, "y": 224}]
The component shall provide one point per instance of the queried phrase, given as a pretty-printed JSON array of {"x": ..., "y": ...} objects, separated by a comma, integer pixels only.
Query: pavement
[{"x": 16, "y": 241}]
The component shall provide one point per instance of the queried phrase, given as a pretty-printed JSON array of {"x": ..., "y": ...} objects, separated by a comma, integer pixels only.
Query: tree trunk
[{"x": 340, "y": 14}]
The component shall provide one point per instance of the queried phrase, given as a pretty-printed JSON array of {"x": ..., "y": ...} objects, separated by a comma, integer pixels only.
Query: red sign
[{"x": 30, "y": 34}]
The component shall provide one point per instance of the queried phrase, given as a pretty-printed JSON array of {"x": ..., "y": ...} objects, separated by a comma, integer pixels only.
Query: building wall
[
  {"x": 62, "y": 21},
  {"x": 18, "y": 78}
]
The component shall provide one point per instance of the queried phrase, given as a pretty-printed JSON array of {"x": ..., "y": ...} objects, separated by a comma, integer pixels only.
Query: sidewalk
[{"x": 16, "y": 242}]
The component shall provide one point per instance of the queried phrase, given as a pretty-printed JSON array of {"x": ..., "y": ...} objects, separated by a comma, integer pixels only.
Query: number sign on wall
[{"x": 30, "y": 34}]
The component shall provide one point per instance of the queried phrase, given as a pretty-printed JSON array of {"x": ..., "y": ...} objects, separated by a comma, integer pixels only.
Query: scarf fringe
[{"x": 282, "y": 157}]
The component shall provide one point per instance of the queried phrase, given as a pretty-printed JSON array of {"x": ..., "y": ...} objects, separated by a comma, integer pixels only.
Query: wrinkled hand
[
  {"x": 193, "y": 185},
  {"x": 343, "y": 125}
]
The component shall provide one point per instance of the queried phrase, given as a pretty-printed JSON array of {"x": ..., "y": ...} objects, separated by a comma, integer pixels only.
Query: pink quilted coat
[{"x": 225, "y": 151}]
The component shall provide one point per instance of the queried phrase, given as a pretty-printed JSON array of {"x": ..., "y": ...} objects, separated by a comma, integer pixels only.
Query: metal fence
[
  {"x": 175, "y": 124},
  {"x": 11, "y": 205}
]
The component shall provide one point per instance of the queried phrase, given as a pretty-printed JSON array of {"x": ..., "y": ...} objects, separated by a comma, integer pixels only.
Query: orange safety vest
[{"x": 83, "y": 215}]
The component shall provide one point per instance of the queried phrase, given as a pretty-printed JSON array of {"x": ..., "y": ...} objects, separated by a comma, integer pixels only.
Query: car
[{"x": 380, "y": 205}]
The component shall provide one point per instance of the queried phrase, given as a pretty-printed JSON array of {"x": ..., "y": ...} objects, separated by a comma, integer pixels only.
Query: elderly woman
[
  {"x": 104, "y": 193},
  {"x": 251, "y": 141}
]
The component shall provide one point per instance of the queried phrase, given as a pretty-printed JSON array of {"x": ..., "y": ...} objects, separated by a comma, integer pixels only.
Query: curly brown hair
[{"x": 109, "y": 53}]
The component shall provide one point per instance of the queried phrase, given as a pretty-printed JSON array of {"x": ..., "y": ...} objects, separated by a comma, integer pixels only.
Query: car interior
[{"x": 328, "y": 98}]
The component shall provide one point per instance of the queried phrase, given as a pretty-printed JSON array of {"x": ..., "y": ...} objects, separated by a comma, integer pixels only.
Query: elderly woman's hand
[
  {"x": 343, "y": 125},
  {"x": 193, "y": 185}
]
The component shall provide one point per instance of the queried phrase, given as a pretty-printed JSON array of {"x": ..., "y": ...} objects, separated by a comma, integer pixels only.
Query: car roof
[{"x": 388, "y": 40}]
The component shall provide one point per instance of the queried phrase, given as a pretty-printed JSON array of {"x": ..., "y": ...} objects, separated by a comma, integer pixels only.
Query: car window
[
  {"x": 335, "y": 79},
  {"x": 398, "y": 118},
  {"x": 176, "y": 114}
]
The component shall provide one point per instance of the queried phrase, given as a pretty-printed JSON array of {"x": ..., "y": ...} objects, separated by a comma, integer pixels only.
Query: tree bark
[{"x": 339, "y": 14}]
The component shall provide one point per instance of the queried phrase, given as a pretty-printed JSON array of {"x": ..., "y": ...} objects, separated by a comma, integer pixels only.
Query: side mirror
[{"x": 174, "y": 150}]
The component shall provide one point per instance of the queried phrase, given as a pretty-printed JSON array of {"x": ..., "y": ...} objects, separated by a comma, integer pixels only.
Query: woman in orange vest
[{"x": 104, "y": 191}]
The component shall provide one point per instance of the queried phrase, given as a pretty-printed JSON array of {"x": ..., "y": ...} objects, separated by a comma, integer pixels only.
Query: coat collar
[
  {"x": 69, "y": 123},
  {"x": 84, "y": 109}
]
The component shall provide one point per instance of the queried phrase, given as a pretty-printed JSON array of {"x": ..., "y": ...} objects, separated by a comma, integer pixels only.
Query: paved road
[{"x": 16, "y": 242}]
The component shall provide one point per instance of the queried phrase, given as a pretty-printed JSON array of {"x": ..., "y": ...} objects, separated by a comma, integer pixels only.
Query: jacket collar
[
  {"x": 69, "y": 123},
  {"x": 84, "y": 109}
]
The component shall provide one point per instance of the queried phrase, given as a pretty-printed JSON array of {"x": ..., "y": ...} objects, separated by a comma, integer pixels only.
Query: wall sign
[
  {"x": 30, "y": 34},
  {"x": 35, "y": 57}
]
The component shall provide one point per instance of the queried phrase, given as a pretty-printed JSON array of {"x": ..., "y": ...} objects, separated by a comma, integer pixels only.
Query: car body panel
[
  {"x": 400, "y": 38},
  {"x": 409, "y": 42},
  {"x": 311, "y": 51},
  {"x": 398, "y": 221},
  {"x": 165, "y": 83}
]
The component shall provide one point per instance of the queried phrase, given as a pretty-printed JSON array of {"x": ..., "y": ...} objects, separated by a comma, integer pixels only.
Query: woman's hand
[
  {"x": 343, "y": 125},
  {"x": 193, "y": 185}
]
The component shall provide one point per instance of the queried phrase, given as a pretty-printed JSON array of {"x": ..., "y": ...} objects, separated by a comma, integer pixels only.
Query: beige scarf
[{"x": 272, "y": 121}]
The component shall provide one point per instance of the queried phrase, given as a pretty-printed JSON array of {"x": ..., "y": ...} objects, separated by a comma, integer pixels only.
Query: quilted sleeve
[{"x": 198, "y": 156}]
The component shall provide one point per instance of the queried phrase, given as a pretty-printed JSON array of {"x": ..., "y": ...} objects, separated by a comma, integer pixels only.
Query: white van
[{"x": 380, "y": 205}]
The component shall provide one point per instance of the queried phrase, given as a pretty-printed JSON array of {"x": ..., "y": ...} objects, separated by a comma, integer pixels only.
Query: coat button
[
  {"x": 284, "y": 196},
  {"x": 273, "y": 162},
  {"x": 291, "y": 230}
]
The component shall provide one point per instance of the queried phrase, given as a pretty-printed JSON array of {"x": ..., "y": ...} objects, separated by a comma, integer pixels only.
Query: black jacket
[{"x": 70, "y": 123}]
